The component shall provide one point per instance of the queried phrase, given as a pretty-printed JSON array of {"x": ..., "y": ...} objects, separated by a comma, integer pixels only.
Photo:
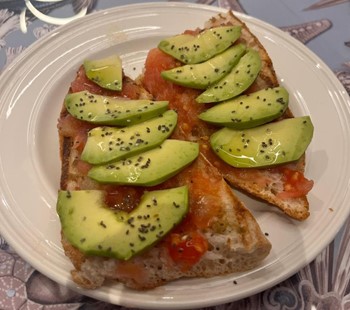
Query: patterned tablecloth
[{"x": 323, "y": 25}]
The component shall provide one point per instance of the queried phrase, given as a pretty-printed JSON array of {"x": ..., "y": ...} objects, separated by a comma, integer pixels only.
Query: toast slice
[
  {"x": 218, "y": 224},
  {"x": 218, "y": 236},
  {"x": 273, "y": 185}
]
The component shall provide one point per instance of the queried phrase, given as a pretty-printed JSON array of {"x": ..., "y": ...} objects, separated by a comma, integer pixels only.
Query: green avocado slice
[
  {"x": 191, "y": 49},
  {"x": 248, "y": 111},
  {"x": 106, "y": 72},
  {"x": 202, "y": 75},
  {"x": 148, "y": 168},
  {"x": 263, "y": 146},
  {"x": 236, "y": 82},
  {"x": 94, "y": 229},
  {"x": 105, "y": 144},
  {"x": 104, "y": 110}
]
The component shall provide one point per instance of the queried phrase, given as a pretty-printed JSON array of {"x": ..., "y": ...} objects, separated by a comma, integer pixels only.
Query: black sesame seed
[{"x": 160, "y": 234}]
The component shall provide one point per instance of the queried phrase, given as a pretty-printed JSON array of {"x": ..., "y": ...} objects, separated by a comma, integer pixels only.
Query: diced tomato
[
  {"x": 187, "y": 249},
  {"x": 295, "y": 184},
  {"x": 125, "y": 198}
]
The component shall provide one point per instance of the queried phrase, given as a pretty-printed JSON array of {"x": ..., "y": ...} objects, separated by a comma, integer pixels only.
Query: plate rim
[{"x": 22, "y": 58}]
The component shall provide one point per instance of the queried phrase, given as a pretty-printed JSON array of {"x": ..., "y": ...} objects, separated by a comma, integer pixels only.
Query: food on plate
[
  {"x": 283, "y": 186},
  {"x": 218, "y": 235},
  {"x": 144, "y": 198}
]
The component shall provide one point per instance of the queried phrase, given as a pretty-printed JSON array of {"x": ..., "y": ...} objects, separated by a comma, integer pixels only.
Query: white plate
[{"x": 31, "y": 93}]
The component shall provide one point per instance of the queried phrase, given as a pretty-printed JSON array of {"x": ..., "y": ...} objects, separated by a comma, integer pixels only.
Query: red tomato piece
[
  {"x": 295, "y": 184},
  {"x": 187, "y": 249}
]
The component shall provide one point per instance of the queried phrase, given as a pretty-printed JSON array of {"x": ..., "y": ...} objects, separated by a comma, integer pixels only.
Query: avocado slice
[
  {"x": 105, "y": 144},
  {"x": 106, "y": 72},
  {"x": 104, "y": 110},
  {"x": 94, "y": 229},
  {"x": 248, "y": 111},
  {"x": 149, "y": 168},
  {"x": 267, "y": 145},
  {"x": 236, "y": 82},
  {"x": 204, "y": 74},
  {"x": 191, "y": 49}
]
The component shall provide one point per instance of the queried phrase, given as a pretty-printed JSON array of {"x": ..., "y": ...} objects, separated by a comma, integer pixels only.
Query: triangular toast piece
[
  {"x": 219, "y": 231},
  {"x": 270, "y": 184}
]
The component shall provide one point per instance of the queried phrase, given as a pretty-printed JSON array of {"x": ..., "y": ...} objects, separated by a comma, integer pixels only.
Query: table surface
[{"x": 324, "y": 27}]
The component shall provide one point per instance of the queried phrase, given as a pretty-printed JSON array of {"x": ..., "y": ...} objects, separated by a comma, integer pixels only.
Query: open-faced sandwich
[
  {"x": 238, "y": 102},
  {"x": 144, "y": 196}
]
